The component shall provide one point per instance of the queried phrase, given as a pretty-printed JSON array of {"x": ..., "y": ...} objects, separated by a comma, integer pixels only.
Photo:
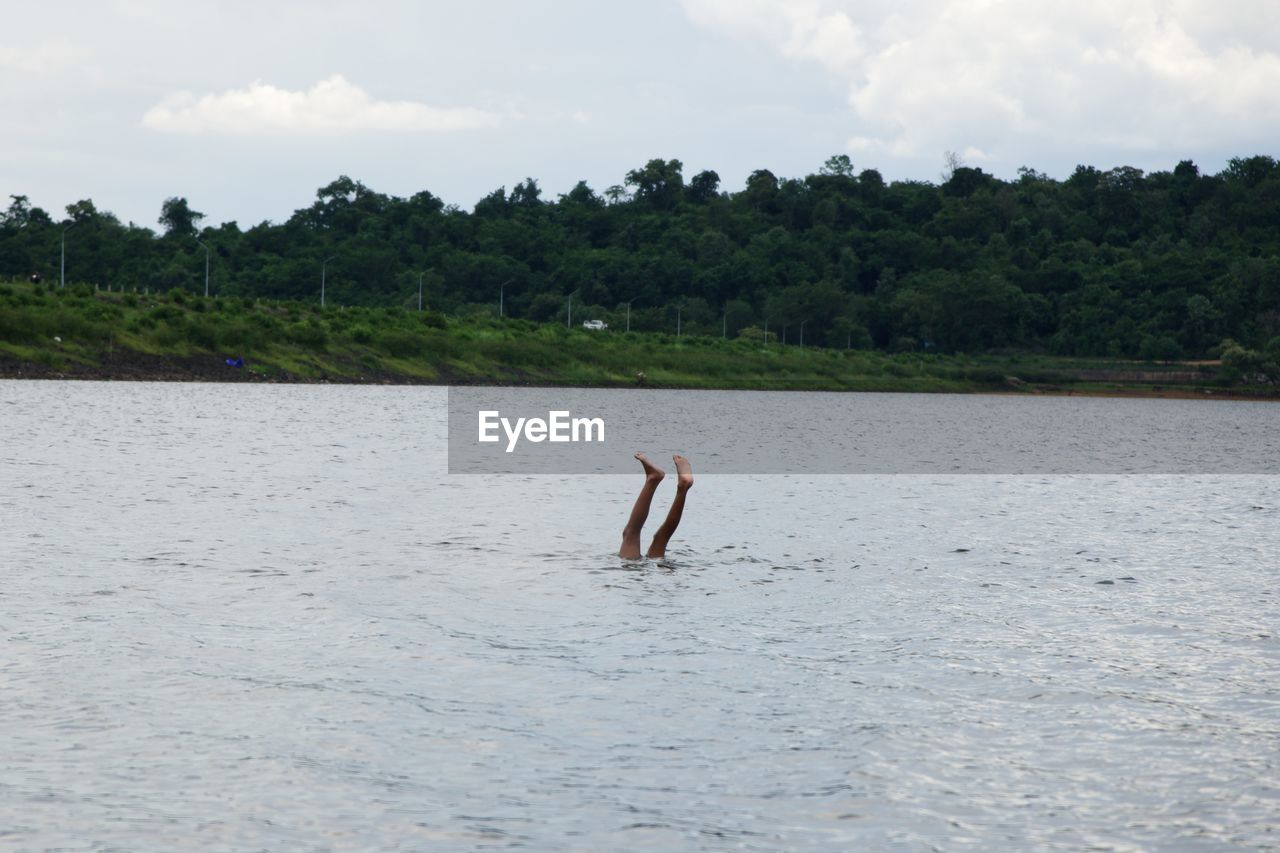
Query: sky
[{"x": 247, "y": 108}]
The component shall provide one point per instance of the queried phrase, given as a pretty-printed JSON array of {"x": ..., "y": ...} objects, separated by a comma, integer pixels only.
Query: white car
[{"x": 594, "y": 324}]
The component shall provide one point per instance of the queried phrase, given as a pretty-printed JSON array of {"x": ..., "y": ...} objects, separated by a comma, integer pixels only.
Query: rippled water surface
[{"x": 262, "y": 617}]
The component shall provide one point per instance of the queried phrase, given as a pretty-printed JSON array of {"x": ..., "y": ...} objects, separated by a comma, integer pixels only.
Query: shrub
[
  {"x": 311, "y": 333},
  {"x": 203, "y": 333},
  {"x": 403, "y": 344},
  {"x": 264, "y": 319},
  {"x": 896, "y": 368},
  {"x": 169, "y": 334},
  {"x": 241, "y": 336},
  {"x": 164, "y": 313},
  {"x": 140, "y": 323},
  {"x": 1243, "y": 365},
  {"x": 431, "y": 320},
  {"x": 17, "y": 324},
  {"x": 754, "y": 334},
  {"x": 1159, "y": 348}
]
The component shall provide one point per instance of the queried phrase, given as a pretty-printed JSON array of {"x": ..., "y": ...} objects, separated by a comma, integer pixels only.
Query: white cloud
[
  {"x": 330, "y": 106},
  {"x": 1016, "y": 78},
  {"x": 802, "y": 29},
  {"x": 39, "y": 58}
]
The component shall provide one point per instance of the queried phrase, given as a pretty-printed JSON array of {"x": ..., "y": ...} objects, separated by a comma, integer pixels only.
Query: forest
[{"x": 1107, "y": 263}]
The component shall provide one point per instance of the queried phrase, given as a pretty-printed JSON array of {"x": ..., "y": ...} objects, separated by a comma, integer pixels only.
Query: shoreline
[
  {"x": 197, "y": 370},
  {"x": 77, "y": 334}
]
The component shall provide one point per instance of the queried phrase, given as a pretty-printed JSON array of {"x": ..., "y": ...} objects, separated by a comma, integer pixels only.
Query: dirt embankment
[
  {"x": 130, "y": 366},
  {"x": 126, "y": 366}
]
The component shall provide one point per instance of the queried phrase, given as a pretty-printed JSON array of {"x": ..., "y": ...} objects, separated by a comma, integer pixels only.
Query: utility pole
[
  {"x": 802, "y": 322},
  {"x": 323, "y": 266},
  {"x": 568, "y": 320},
  {"x": 420, "y": 275},
  {"x": 629, "y": 301}
]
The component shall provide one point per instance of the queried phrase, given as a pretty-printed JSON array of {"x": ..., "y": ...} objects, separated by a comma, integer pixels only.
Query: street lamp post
[
  {"x": 629, "y": 301},
  {"x": 568, "y": 320},
  {"x": 323, "y": 267},
  {"x": 724, "y": 324},
  {"x": 420, "y": 276},
  {"x": 206, "y": 265}
]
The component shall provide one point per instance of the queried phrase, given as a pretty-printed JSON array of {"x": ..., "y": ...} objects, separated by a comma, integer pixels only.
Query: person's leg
[
  {"x": 684, "y": 480},
  {"x": 653, "y": 475}
]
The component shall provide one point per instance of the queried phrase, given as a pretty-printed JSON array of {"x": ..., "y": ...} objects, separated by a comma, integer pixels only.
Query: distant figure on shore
[{"x": 653, "y": 475}]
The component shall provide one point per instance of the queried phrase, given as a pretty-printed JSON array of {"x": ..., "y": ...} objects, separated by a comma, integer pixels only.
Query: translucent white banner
[{"x": 596, "y": 431}]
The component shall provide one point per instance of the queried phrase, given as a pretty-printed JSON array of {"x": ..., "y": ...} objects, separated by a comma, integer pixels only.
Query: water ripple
[{"x": 261, "y": 618}]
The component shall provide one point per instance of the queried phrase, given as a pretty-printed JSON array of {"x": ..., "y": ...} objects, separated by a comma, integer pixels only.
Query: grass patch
[{"x": 302, "y": 340}]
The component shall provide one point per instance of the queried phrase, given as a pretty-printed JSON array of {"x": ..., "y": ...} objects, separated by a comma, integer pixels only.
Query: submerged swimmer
[{"x": 653, "y": 475}]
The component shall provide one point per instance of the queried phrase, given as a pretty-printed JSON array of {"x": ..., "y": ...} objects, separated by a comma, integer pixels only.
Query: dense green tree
[
  {"x": 838, "y": 166},
  {"x": 1107, "y": 262},
  {"x": 658, "y": 184},
  {"x": 178, "y": 218},
  {"x": 18, "y": 214},
  {"x": 703, "y": 187},
  {"x": 761, "y": 193},
  {"x": 82, "y": 211},
  {"x": 526, "y": 194}
]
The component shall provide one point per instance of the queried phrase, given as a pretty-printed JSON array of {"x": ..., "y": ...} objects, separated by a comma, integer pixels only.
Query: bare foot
[
  {"x": 683, "y": 471},
  {"x": 651, "y": 471}
]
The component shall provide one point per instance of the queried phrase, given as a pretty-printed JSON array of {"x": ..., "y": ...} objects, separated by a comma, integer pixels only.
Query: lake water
[{"x": 263, "y": 617}]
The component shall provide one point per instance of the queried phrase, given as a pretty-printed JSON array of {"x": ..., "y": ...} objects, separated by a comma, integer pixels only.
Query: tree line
[{"x": 1122, "y": 263}]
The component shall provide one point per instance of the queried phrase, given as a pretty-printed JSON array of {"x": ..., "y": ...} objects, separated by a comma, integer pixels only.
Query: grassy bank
[{"x": 77, "y": 332}]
